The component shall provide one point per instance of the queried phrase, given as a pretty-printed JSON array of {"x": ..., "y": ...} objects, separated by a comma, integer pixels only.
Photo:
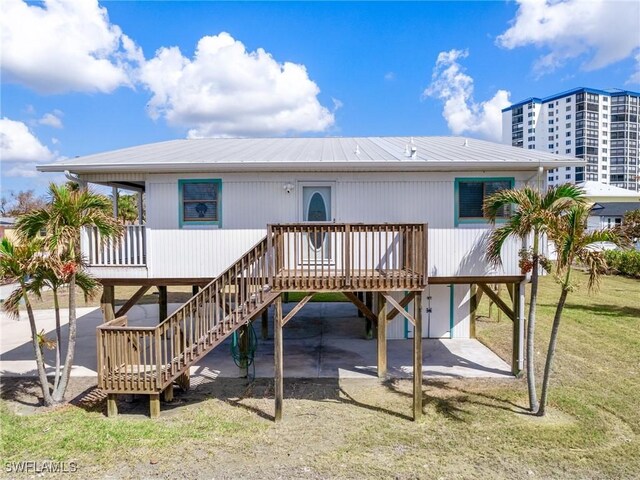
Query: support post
[
  {"x": 154, "y": 405},
  {"x": 473, "y": 310},
  {"x": 277, "y": 337},
  {"x": 243, "y": 348},
  {"x": 184, "y": 381},
  {"x": 517, "y": 357},
  {"x": 140, "y": 213},
  {"x": 114, "y": 193},
  {"x": 417, "y": 358},
  {"x": 167, "y": 395},
  {"x": 162, "y": 303},
  {"x": 265, "y": 324},
  {"x": 382, "y": 336},
  {"x": 107, "y": 302},
  {"x": 368, "y": 329},
  {"x": 112, "y": 405}
]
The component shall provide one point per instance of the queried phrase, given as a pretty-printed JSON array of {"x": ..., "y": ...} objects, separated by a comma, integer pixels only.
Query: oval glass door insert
[{"x": 317, "y": 212}]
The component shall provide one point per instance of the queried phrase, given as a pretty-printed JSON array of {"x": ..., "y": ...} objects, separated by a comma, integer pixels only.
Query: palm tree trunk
[
  {"x": 531, "y": 326},
  {"x": 56, "y": 305},
  {"x": 552, "y": 347},
  {"x": 42, "y": 373},
  {"x": 58, "y": 394}
]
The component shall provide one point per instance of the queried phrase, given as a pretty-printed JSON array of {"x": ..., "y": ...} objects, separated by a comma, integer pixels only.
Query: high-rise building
[{"x": 600, "y": 126}]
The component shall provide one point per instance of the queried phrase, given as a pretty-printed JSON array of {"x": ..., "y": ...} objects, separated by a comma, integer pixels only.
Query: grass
[
  {"x": 318, "y": 297},
  {"x": 331, "y": 429}
]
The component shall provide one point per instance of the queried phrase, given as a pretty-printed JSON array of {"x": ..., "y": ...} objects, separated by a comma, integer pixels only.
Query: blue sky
[{"x": 80, "y": 78}]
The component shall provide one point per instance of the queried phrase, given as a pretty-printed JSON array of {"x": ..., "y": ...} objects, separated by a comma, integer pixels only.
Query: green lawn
[{"x": 471, "y": 428}]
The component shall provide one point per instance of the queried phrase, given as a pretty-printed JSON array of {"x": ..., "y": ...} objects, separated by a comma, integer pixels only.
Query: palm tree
[
  {"x": 17, "y": 262},
  {"x": 46, "y": 277},
  {"x": 532, "y": 214},
  {"x": 68, "y": 212},
  {"x": 574, "y": 245}
]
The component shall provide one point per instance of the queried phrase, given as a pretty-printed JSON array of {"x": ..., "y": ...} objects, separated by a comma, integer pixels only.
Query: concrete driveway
[{"x": 324, "y": 340}]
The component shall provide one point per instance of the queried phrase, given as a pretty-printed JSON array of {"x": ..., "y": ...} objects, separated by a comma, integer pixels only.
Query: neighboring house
[
  {"x": 609, "y": 214},
  {"x": 272, "y": 215},
  {"x": 7, "y": 228},
  {"x": 600, "y": 126}
]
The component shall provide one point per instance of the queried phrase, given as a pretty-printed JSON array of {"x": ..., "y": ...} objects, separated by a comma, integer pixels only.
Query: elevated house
[{"x": 395, "y": 223}]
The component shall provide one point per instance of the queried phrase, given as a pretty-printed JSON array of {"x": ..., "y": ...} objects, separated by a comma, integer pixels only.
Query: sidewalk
[{"x": 325, "y": 340}]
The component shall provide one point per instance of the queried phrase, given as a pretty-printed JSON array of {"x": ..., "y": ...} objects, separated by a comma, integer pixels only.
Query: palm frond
[{"x": 497, "y": 238}]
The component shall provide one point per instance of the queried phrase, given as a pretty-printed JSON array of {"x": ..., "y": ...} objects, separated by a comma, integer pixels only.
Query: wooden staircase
[
  {"x": 148, "y": 360},
  {"x": 309, "y": 257}
]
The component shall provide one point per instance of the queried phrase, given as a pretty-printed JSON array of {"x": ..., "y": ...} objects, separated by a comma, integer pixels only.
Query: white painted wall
[
  {"x": 437, "y": 323},
  {"x": 250, "y": 201}
]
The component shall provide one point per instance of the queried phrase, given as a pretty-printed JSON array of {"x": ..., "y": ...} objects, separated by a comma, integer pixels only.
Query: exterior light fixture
[{"x": 288, "y": 187}]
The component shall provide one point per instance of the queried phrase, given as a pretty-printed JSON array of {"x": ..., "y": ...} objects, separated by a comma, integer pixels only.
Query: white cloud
[
  {"x": 450, "y": 84},
  {"x": 51, "y": 119},
  {"x": 390, "y": 76},
  {"x": 226, "y": 91},
  {"x": 18, "y": 144},
  {"x": 599, "y": 31},
  {"x": 64, "y": 46}
]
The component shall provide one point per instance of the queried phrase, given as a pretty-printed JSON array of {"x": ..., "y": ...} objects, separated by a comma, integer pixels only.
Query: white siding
[
  {"x": 437, "y": 323},
  {"x": 251, "y": 201}
]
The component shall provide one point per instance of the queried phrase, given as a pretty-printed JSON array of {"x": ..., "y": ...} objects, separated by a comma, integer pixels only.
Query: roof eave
[{"x": 422, "y": 165}]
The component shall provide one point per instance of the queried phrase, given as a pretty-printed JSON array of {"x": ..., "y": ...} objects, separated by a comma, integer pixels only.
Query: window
[
  {"x": 568, "y": 117},
  {"x": 471, "y": 193},
  {"x": 568, "y": 176},
  {"x": 200, "y": 202},
  {"x": 568, "y": 150}
]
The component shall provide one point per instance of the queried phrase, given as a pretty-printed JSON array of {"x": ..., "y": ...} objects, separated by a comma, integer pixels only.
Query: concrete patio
[{"x": 324, "y": 340}]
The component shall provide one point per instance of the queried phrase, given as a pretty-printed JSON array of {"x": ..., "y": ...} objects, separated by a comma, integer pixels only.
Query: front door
[{"x": 316, "y": 207}]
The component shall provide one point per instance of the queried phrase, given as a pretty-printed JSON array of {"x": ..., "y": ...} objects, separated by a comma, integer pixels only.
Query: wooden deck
[
  {"x": 377, "y": 280},
  {"x": 296, "y": 257}
]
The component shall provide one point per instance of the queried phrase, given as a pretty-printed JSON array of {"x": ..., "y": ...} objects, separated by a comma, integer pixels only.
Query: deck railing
[
  {"x": 130, "y": 250},
  {"x": 340, "y": 256},
  {"x": 147, "y": 359}
]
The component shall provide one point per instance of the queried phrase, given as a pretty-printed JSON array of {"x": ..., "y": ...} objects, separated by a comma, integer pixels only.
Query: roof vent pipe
[
  {"x": 357, "y": 152},
  {"x": 414, "y": 149},
  {"x": 466, "y": 142}
]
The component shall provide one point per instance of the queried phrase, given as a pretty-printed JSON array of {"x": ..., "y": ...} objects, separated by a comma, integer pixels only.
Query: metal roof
[
  {"x": 332, "y": 153},
  {"x": 597, "y": 189},
  {"x": 614, "y": 209}
]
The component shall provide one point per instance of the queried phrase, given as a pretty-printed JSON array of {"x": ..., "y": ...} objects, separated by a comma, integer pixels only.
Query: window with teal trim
[
  {"x": 471, "y": 194},
  {"x": 199, "y": 202}
]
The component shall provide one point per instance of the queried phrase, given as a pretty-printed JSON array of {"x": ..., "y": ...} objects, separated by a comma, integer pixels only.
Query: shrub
[{"x": 624, "y": 262}]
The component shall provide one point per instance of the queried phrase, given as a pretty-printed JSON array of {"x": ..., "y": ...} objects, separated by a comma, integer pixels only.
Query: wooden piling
[
  {"x": 417, "y": 359},
  {"x": 278, "y": 375},
  {"x": 382, "y": 336}
]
